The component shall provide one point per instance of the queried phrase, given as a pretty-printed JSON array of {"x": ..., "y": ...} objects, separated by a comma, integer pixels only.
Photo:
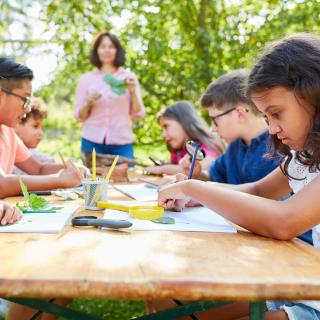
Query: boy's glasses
[
  {"x": 220, "y": 115},
  {"x": 26, "y": 101}
]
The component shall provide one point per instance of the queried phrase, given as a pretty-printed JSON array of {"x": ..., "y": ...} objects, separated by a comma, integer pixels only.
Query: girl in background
[{"x": 180, "y": 123}]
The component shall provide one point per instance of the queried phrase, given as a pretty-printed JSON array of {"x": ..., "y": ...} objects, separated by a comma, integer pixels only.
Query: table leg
[
  {"x": 183, "y": 310},
  {"x": 257, "y": 310},
  {"x": 52, "y": 308}
]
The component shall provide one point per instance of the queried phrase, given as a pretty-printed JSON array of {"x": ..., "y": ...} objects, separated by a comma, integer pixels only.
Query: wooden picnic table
[{"x": 90, "y": 262}]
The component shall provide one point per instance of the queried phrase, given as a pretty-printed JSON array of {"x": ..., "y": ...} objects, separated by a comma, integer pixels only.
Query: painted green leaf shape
[
  {"x": 117, "y": 86},
  {"x": 164, "y": 220}
]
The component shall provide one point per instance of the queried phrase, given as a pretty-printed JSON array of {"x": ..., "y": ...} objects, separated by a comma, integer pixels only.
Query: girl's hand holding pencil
[{"x": 171, "y": 196}]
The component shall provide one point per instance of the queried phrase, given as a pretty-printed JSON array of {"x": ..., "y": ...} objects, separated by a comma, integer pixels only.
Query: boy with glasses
[
  {"x": 237, "y": 121},
  {"x": 15, "y": 103}
]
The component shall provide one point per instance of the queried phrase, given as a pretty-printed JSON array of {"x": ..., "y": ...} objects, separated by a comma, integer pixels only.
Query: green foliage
[
  {"x": 176, "y": 48},
  {"x": 109, "y": 309},
  {"x": 31, "y": 201}
]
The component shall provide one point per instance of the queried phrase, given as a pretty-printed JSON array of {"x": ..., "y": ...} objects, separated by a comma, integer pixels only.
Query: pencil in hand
[
  {"x": 76, "y": 170},
  {"x": 62, "y": 160}
]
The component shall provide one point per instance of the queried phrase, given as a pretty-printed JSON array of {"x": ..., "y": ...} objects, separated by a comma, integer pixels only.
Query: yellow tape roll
[{"x": 146, "y": 213}]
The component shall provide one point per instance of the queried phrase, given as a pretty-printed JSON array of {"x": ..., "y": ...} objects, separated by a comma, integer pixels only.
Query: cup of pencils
[{"x": 94, "y": 191}]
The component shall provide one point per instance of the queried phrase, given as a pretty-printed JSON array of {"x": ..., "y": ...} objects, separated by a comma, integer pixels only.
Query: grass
[
  {"x": 108, "y": 309},
  {"x": 62, "y": 133}
]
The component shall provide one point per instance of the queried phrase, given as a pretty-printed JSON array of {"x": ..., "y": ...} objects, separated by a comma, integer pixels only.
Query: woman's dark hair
[
  {"x": 120, "y": 54},
  {"x": 195, "y": 127},
  {"x": 293, "y": 63}
]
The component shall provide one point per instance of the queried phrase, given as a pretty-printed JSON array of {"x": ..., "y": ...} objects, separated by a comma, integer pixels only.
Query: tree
[{"x": 175, "y": 47}]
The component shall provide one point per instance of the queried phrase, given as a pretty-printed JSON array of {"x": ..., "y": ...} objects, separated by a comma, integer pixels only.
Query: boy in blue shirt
[{"x": 237, "y": 121}]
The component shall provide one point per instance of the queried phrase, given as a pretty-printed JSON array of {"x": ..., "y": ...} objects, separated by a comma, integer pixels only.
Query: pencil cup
[{"x": 94, "y": 191}]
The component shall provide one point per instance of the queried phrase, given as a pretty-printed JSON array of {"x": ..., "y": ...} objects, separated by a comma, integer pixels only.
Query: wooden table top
[{"x": 184, "y": 265}]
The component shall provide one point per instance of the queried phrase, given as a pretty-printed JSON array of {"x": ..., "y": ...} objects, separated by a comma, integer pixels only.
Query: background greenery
[{"x": 176, "y": 48}]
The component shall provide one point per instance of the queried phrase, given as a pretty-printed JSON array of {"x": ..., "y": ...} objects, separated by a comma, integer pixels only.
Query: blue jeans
[
  {"x": 294, "y": 311},
  {"x": 125, "y": 150}
]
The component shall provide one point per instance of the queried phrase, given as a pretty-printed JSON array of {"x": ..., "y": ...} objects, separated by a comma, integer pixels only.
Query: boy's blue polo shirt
[{"x": 242, "y": 163}]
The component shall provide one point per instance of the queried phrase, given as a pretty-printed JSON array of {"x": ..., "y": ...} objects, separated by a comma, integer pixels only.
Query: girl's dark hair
[
  {"x": 195, "y": 127},
  {"x": 293, "y": 63},
  {"x": 120, "y": 54}
]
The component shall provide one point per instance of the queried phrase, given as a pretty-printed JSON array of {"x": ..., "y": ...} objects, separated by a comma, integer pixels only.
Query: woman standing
[{"x": 107, "y": 107}]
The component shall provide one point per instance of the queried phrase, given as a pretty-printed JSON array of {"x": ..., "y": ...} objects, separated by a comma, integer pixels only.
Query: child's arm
[
  {"x": 8, "y": 214},
  {"x": 277, "y": 219},
  {"x": 165, "y": 169},
  {"x": 9, "y": 184},
  {"x": 33, "y": 167}
]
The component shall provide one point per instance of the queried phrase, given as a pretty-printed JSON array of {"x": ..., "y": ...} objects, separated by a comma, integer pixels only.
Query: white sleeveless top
[
  {"x": 297, "y": 170},
  {"x": 300, "y": 171}
]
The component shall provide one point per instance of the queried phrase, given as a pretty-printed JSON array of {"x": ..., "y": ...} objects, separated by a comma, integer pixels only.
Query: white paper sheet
[
  {"x": 42, "y": 222},
  {"x": 198, "y": 219},
  {"x": 138, "y": 192}
]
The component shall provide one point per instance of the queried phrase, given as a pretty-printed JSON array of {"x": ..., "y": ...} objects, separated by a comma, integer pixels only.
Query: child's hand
[
  {"x": 185, "y": 164},
  {"x": 69, "y": 177},
  {"x": 167, "y": 180},
  {"x": 84, "y": 170},
  {"x": 172, "y": 195},
  {"x": 158, "y": 170},
  {"x": 9, "y": 214}
]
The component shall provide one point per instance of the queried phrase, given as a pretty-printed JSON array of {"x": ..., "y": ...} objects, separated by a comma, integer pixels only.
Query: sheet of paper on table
[
  {"x": 199, "y": 219},
  {"x": 138, "y": 192},
  {"x": 52, "y": 222}
]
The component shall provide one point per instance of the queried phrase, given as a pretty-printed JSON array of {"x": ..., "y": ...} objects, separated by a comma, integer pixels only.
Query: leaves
[
  {"x": 117, "y": 86},
  {"x": 36, "y": 202},
  {"x": 24, "y": 189},
  {"x": 31, "y": 201},
  {"x": 164, "y": 220}
]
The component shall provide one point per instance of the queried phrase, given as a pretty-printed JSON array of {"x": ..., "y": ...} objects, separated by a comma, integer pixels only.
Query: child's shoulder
[{"x": 41, "y": 157}]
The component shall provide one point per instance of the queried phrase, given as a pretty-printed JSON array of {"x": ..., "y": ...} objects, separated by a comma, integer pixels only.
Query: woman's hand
[
  {"x": 132, "y": 84},
  {"x": 9, "y": 214},
  {"x": 93, "y": 96}
]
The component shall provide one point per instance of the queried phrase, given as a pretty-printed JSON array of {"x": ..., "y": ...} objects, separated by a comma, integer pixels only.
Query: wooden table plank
[{"x": 184, "y": 265}]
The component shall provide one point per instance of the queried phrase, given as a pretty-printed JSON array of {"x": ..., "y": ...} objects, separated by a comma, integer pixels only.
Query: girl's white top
[{"x": 300, "y": 171}]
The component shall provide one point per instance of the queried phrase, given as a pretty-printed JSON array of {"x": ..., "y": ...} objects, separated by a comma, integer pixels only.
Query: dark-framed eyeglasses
[
  {"x": 213, "y": 118},
  {"x": 26, "y": 101}
]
